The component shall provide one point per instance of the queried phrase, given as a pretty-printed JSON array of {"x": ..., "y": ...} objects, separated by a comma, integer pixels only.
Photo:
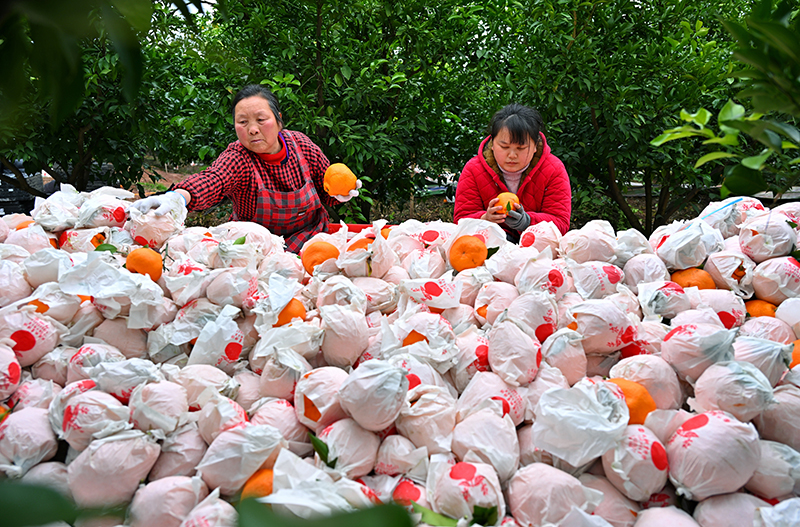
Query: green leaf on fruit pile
[
  {"x": 240, "y": 241},
  {"x": 756, "y": 162},
  {"x": 742, "y": 181},
  {"x": 484, "y": 515},
  {"x": 106, "y": 247},
  {"x": 322, "y": 450},
  {"x": 490, "y": 251},
  {"x": 255, "y": 514},
  {"x": 433, "y": 518}
]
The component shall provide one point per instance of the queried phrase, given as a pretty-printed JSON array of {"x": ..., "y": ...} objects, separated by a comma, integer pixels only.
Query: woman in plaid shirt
[{"x": 273, "y": 176}]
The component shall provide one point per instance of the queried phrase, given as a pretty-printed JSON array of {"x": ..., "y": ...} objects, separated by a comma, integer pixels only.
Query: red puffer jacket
[{"x": 544, "y": 192}]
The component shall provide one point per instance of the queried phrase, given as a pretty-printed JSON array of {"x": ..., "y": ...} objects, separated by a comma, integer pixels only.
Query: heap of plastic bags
[{"x": 482, "y": 395}]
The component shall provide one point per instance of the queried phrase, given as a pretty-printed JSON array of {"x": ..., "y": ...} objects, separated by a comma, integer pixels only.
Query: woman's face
[
  {"x": 512, "y": 157},
  {"x": 256, "y": 126}
]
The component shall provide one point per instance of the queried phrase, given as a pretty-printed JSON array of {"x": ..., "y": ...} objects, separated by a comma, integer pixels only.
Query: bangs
[{"x": 518, "y": 129}]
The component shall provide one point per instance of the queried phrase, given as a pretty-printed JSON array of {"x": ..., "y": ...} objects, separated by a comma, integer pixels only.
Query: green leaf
[
  {"x": 731, "y": 111},
  {"x": 24, "y": 504},
  {"x": 484, "y": 515},
  {"x": 491, "y": 251},
  {"x": 700, "y": 117},
  {"x": 729, "y": 139},
  {"x": 742, "y": 181},
  {"x": 711, "y": 157},
  {"x": 240, "y": 241},
  {"x": 137, "y": 12},
  {"x": 433, "y": 518},
  {"x": 106, "y": 247},
  {"x": 756, "y": 162},
  {"x": 255, "y": 514},
  {"x": 346, "y": 71},
  {"x": 792, "y": 224},
  {"x": 127, "y": 46},
  {"x": 322, "y": 449}
]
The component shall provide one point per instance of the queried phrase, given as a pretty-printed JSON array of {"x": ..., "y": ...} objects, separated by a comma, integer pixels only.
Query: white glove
[
  {"x": 352, "y": 194},
  {"x": 163, "y": 203}
]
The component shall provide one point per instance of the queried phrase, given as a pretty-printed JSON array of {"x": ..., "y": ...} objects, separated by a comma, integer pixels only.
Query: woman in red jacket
[{"x": 515, "y": 158}]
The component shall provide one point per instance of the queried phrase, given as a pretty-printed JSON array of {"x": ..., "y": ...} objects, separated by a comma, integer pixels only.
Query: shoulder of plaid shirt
[{"x": 232, "y": 175}]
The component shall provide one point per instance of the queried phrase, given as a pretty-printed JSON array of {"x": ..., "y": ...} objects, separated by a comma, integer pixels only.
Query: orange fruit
[
  {"x": 467, "y": 252},
  {"x": 507, "y": 201},
  {"x": 639, "y": 401},
  {"x": 23, "y": 224},
  {"x": 310, "y": 409},
  {"x": 98, "y": 239},
  {"x": 738, "y": 274},
  {"x": 41, "y": 307},
  {"x": 363, "y": 243},
  {"x": 414, "y": 336},
  {"x": 54, "y": 243},
  {"x": 795, "y": 355},
  {"x": 258, "y": 485},
  {"x": 84, "y": 298},
  {"x": 693, "y": 277},
  {"x": 294, "y": 309},
  {"x": 145, "y": 260},
  {"x": 316, "y": 253},
  {"x": 482, "y": 311},
  {"x": 339, "y": 180},
  {"x": 573, "y": 325},
  {"x": 760, "y": 308},
  {"x": 5, "y": 411},
  {"x": 385, "y": 232}
]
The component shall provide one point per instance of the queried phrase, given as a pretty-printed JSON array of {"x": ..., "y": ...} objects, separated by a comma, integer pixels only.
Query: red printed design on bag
[
  {"x": 406, "y": 492},
  {"x": 671, "y": 288},
  {"x": 506, "y": 406},
  {"x": 527, "y": 239},
  {"x": 686, "y": 430},
  {"x": 639, "y": 444},
  {"x": 23, "y": 341},
  {"x": 659, "y": 456},
  {"x": 727, "y": 319},
  {"x": 465, "y": 475},
  {"x": 119, "y": 215},
  {"x": 71, "y": 414},
  {"x": 613, "y": 273},
  {"x": 688, "y": 329},
  {"x": 481, "y": 362}
]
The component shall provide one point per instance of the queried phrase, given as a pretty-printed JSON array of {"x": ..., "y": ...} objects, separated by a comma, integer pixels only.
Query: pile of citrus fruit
[{"x": 594, "y": 377}]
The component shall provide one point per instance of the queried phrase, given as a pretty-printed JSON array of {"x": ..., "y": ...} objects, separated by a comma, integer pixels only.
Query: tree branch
[{"x": 19, "y": 180}]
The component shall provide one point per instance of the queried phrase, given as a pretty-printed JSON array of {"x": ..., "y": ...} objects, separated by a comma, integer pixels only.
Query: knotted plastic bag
[
  {"x": 26, "y": 439},
  {"x": 428, "y": 418},
  {"x": 316, "y": 399},
  {"x": 777, "y": 279},
  {"x": 656, "y": 375},
  {"x": 692, "y": 348},
  {"x": 780, "y": 421},
  {"x": 594, "y": 241},
  {"x": 166, "y": 501},
  {"x": 352, "y": 450},
  {"x": 644, "y": 268},
  {"x": 492, "y": 438},
  {"x": 580, "y": 423},
  {"x": 766, "y": 236},
  {"x": 778, "y": 473},
  {"x": 159, "y": 405},
  {"x": 738, "y": 388},
  {"x": 458, "y": 490},
  {"x": 637, "y": 466},
  {"x": 373, "y": 394},
  {"x": 700, "y": 451}
]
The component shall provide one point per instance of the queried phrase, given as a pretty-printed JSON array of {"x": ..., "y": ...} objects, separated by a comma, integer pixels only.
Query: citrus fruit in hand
[
  {"x": 760, "y": 308},
  {"x": 507, "y": 201},
  {"x": 259, "y": 484},
  {"x": 693, "y": 277},
  {"x": 637, "y": 398},
  {"x": 339, "y": 180},
  {"x": 467, "y": 252},
  {"x": 316, "y": 253},
  {"x": 145, "y": 260},
  {"x": 294, "y": 309}
]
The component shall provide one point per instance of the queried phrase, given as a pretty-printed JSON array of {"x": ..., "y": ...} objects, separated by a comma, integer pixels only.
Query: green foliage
[
  {"x": 255, "y": 514},
  {"x": 26, "y": 505},
  {"x": 761, "y": 158}
]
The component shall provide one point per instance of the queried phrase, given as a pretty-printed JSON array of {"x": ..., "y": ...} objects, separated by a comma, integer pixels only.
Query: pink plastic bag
[
  {"x": 777, "y": 279},
  {"x": 212, "y": 512},
  {"x": 428, "y": 418},
  {"x": 33, "y": 335},
  {"x": 665, "y": 299},
  {"x": 514, "y": 352},
  {"x": 539, "y": 494},
  {"x": 615, "y": 508},
  {"x": 10, "y": 372},
  {"x": 456, "y": 490},
  {"x": 166, "y": 501},
  {"x": 373, "y": 394},
  {"x": 181, "y": 452},
  {"x": 594, "y": 241},
  {"x": 218, "y": 414},
  {"x": 737, "y": 508},
  {"x": 781, "y": 422},
  {"x": 738, "y": 388},
  {"x": 280, "y": 414},
  {"x": 236, "y": 454},
  {"x": 778, "y": 473},
  {"x": 120, "y": 378},
  {"x": 604, "y": 326},
  {"x": 564, "y": 350},
  {"x": 659, "y": 517},
  {"x": 726, "y": 268},
  {"x": 316, "y": 400},
  {"x": 353, "y": 448},
  {"x": 108, "y": 472},
  {"x": 656, "y": 375},
  {"x": 115, "y": 332},
  {"x": 87, "y": 357},
  {"x": 644, "y": 268},
  {"x": 486, "y": 386},
  {"x": 26, "y": 439},
  {"x": 638, "y": 465},
  {"x": 159, "y": 405},
  {"x": 728, "y": 306},
  {"x": 766, "y": 236},
  {"x": 770, "y": 328},
  {"x": 398, "y": 455},
  {"x": 495, "y": 296},
  {"x": 90, "y": 415},
  {"x": 692, "y": 348},
  {"x": 700, "y": 450},
  {"x": 13, "y": 286},
  {"x": 541, "y": 236},
  {"x": 492, "y": 438}
]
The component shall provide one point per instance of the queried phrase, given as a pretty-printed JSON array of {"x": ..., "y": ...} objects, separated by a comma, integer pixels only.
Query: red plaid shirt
[{"x": 233, "y": 175}]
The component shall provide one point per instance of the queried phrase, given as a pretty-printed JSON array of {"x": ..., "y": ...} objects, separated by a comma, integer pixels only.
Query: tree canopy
[{"x": 402, "y": 92}]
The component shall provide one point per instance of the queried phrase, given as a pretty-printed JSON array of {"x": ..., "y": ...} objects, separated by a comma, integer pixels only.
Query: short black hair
[
  {"x": 523, "y": 123},
  {"x": 252, "y": 90}
]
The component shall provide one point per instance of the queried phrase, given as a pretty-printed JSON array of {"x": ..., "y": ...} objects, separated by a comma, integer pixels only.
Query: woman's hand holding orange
[{"x": 494, "y": 212}]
